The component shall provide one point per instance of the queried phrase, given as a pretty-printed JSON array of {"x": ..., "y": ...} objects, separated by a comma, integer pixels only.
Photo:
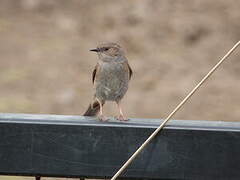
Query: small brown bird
[{"x": 110, "y": 79}]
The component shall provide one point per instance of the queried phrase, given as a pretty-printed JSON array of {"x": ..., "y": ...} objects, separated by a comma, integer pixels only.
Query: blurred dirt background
[{"x": 46, "y": 66}]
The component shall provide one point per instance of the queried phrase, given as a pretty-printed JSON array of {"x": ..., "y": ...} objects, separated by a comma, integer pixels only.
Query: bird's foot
[
  {"x": 102, "y": 118},
  {"x": 122, "y": 118}
]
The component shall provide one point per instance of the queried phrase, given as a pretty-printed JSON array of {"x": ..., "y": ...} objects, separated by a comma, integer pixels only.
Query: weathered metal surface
[{"x": 75, "y": 146}]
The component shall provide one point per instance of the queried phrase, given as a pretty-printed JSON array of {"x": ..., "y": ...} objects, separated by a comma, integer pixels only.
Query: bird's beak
[{"x": 95, "y": 50}]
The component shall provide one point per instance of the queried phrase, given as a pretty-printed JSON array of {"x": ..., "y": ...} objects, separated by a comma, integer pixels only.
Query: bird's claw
[
  {"x": 121, "y": 118},
  {"x": 102, "y": 118}
]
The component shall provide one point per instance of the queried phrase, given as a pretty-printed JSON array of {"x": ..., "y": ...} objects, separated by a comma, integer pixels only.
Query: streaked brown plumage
[{"x": 110, "y": 78}]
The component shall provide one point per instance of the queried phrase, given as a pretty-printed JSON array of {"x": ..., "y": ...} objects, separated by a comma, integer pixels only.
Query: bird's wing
[
  {"x": 95, "y": 72},
  {"x": 130, "y": 71}
]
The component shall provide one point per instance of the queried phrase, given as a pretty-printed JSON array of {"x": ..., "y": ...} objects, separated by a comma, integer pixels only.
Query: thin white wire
[{"x": 174, "y": 111}]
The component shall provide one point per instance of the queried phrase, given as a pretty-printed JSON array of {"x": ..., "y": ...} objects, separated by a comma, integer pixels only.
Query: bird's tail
[{"x": 93, "y": 109}]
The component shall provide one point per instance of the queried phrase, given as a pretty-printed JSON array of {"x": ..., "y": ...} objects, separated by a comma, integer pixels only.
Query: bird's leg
[
  {"x": 101, "y": 117},
  {"x": 121, "y": 116}
]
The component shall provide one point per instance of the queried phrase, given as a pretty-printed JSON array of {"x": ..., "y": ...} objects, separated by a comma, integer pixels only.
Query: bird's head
[{"x": 109, "y": 51}]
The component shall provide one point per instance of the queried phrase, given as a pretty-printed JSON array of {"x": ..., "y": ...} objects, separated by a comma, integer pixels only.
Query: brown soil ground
[{"x": 45, "y": 63}]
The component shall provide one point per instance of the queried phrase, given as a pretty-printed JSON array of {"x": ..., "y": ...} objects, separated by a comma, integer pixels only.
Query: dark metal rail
[{"x": 76, "y": 146}]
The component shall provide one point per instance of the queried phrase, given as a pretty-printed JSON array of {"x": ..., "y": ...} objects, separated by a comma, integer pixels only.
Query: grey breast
[{"x": 112, "y": 81}]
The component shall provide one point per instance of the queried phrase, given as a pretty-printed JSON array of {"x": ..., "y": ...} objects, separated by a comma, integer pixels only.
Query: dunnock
[{"x": 110, "y": 78}]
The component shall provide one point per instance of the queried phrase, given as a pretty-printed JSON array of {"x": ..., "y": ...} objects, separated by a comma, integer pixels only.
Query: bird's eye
[{"x": 106, "y": 49}]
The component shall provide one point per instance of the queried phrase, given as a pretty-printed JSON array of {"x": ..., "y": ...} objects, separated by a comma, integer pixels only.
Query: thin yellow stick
[{"x": 174, "y": 111}]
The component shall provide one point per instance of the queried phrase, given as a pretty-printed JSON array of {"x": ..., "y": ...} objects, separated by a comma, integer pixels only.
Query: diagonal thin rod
[{"x": 174, "y": 111}]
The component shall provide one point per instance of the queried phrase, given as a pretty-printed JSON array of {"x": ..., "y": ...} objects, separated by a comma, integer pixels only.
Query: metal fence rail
[{"x": 75, "y": 146}]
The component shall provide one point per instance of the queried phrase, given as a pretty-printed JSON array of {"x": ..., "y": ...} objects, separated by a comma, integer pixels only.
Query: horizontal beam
[{"x": 76, "y": 146}]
